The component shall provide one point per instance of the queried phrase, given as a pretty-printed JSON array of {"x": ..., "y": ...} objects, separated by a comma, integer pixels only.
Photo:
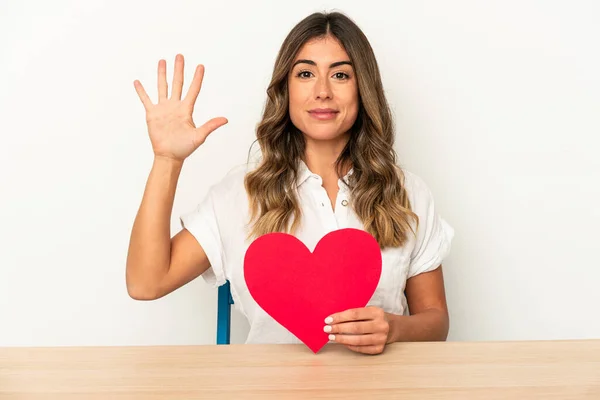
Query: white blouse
[{"x": 219, "y": 225}]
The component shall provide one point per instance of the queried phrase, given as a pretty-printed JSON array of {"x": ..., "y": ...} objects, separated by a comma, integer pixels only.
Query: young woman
[{"x": 327, "y": 162}]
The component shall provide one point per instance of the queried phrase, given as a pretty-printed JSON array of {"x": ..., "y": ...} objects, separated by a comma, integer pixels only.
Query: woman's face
[{"x": 323, "y": 91}]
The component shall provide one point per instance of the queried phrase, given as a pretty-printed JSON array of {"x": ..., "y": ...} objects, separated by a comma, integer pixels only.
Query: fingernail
[
  {"x": 327, "y": 328},
  {"x": 328, "y": 320},
  {"x": 331, "y": 337}
]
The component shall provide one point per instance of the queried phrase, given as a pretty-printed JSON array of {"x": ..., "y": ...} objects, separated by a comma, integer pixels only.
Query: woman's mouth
[{"x": 323, "y": 114}]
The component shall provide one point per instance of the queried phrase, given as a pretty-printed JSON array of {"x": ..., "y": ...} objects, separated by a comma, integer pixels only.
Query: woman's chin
[{"x": 326, "y": 136}]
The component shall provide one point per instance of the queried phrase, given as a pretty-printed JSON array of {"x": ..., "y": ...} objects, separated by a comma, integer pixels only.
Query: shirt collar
[{"x": 304, "y": 173}]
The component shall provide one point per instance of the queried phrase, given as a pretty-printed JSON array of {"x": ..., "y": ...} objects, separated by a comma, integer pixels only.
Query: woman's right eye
[{"x": 303, "y": 74}]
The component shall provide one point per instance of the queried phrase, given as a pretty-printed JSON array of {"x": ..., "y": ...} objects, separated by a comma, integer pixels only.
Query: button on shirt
[{"x": 219, "y": 223}]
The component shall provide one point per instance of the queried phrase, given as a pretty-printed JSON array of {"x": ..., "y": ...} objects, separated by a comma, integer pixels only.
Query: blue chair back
[{"x": 224, "y": 303}]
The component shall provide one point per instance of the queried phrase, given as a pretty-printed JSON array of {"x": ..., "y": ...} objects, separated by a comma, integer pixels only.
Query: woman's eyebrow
[{"x": 332, "y": 65}]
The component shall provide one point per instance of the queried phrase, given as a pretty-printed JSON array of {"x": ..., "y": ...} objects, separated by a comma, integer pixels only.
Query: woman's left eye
[{"x": 342, "y": 75}]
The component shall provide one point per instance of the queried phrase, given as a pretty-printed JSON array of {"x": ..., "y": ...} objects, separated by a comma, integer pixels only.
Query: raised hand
[{"x": 170, "y": 125}]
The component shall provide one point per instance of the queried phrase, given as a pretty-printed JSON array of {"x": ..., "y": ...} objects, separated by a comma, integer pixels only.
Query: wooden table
[{"x": 452, "y": 370}]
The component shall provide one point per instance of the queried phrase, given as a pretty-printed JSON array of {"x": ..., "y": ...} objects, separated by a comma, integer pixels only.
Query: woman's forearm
[
  {"x": 150, "y": 242},
  {"x": 427, "y": 326}
]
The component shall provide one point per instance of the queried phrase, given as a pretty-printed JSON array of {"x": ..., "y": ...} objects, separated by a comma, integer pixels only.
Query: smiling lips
[{"x": 323, "y": 113}]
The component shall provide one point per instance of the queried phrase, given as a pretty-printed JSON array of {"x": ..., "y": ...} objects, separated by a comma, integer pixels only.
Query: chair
[{"x": 224, "y": 303}]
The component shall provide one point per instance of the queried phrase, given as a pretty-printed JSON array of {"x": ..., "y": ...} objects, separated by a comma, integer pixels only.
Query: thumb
[{"x": 203, "y": 131}]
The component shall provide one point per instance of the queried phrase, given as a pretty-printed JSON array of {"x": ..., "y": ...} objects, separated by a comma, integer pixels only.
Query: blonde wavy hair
[{"x": 377, "y": 192}]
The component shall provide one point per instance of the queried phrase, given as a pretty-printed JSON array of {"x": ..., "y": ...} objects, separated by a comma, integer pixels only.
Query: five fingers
[
  {"x": 363, "y": 330},
  {"x": 163, "y": 87}
]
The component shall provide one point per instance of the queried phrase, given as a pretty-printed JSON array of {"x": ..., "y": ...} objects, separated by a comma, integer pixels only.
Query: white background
[{"x": 497, "y": 109}]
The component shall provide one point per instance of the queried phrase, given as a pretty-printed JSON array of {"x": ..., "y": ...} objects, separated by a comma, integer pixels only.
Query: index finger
[
  {"x": 195, "y": 86},
  {"x": 353, "y": 314}
]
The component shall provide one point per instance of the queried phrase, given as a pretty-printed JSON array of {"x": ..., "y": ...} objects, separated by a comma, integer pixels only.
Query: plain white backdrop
[{"x": 496, "y": 104}]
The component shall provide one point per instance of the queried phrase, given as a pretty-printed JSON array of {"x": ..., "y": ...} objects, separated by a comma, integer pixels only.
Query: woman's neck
[{"x": 320, "y": 157}]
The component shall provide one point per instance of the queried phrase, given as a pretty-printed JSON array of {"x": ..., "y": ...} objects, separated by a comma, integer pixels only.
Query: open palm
[{"x": 172, "y": 130}]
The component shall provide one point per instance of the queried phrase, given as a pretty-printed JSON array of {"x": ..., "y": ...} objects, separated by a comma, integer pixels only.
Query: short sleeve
[
  {"x": 434, "y": 234},
  {"x": 203, "y": 224}
]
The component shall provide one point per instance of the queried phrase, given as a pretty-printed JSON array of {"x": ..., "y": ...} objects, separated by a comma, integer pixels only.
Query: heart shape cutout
[{"x": 299, "y": 289}]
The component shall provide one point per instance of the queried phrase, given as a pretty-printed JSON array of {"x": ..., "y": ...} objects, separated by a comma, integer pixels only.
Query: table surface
[{"x": 448, "y": 370}]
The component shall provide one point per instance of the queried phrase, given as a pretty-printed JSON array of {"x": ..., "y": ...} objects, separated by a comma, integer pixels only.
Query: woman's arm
[
  {"x": 156, "y": 263},
  {"x": 429, "y": 320}
]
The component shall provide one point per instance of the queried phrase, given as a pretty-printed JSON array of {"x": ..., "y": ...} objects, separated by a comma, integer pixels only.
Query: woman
[{"x": 326, "y": 139}]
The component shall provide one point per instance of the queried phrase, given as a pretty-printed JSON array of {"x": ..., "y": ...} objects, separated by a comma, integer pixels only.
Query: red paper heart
[{"x": 299, "y": 289}]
